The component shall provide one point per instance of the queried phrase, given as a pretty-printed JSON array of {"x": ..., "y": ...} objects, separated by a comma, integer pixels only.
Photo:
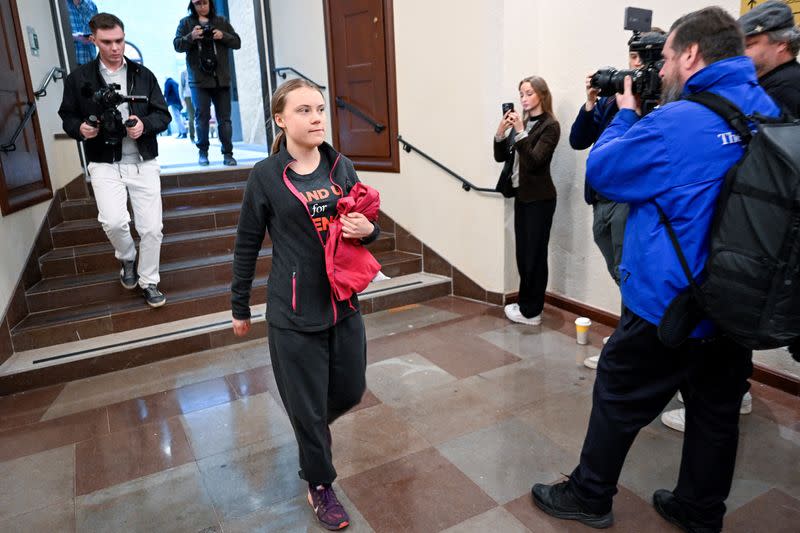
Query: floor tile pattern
[{"x": 463, "y": 412}]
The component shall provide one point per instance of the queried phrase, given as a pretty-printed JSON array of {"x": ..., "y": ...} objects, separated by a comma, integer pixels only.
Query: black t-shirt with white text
[{"x": 320, "y": 194}]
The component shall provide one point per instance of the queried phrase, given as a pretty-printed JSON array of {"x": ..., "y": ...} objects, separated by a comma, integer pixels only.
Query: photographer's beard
[{"x": 671, "y": 90}]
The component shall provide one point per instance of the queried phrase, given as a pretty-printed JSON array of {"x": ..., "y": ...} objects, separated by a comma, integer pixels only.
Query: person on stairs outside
[
  {"x": 126, "y": 169},
  {"x": 173, "y": 98},
  {"x": 525, "y": 143},
  {"x": 207, "y": 39},
  {"x": 317, "y": 344}
]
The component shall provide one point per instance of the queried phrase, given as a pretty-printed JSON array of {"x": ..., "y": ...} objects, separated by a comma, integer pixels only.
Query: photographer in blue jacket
[{"x": 676, "y": 157}]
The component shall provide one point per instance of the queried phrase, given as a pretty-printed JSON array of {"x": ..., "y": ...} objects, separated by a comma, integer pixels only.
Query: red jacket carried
[{"x": 350, "y": 266}]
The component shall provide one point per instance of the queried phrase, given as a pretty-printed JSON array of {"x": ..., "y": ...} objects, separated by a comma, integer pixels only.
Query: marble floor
[{"x": 464, "y": 412}]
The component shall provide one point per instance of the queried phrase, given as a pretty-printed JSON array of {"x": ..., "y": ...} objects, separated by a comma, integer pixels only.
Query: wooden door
[
  {"x": 24, "y": 180},
  {"x": 361, "y": 69}
]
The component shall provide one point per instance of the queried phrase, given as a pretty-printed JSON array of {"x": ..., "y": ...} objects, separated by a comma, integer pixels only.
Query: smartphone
[{"x": 509, "y": 106}]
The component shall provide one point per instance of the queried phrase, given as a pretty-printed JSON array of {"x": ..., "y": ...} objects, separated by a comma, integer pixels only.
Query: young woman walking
[{"x": 317, "y": 344}]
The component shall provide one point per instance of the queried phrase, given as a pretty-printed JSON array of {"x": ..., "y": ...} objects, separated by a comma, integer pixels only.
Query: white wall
[
  {"x": 457, "y": 61},
  {"x": 18, "y": 230},
  {"x": 248, "y": 72}
]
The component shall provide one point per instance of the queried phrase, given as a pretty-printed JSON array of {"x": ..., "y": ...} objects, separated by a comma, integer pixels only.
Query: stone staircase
[{"x": 79, "y": 321}]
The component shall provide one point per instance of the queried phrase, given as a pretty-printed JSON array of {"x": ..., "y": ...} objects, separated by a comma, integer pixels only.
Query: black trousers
[
  {"x": 636, "y": 378},
  {"x": 320, "y": 376},
  {"x": 221, "y": 96},
  {"x": 532, "y": 222}
]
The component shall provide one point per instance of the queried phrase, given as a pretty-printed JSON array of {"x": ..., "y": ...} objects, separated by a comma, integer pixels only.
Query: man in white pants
[{"x": 120, "y": 144}]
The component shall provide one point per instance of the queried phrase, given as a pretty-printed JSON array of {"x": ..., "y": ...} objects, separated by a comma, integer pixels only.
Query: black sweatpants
[
  {"x": 636, "y": 378},
  {"x": 532, "y": 222},
  {"x": 320, "y": 376}
]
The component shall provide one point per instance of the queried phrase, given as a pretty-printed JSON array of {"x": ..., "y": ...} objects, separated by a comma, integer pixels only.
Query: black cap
[{"x": 769, "y": 16}]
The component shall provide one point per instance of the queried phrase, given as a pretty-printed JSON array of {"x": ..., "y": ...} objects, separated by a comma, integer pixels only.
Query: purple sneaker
[{"x": 329, "y": 511}]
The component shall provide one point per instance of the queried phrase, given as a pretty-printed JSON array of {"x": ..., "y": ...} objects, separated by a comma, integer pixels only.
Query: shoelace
[{"x": 329, "y": 501}]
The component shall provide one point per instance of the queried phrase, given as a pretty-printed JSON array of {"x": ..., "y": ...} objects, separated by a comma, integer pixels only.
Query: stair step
[
  {"x": 171, "y": 197},
  {"x": 177, "y": 220},
  {"x": 95, "y": 258},
  {"x": 66, "y": 325},
  {"x": 77, "y": 359},
  {"x": 78, "y": 307},
  {"x": 213, "y": 177},
  {"x": 70, "y": 291},
  {"x": 396, "y": 263}
]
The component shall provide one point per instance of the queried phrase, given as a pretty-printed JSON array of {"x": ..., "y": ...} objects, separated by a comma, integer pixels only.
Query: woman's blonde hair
[
  {"x": 542, "y": 91},
  {"x": 278, "y": 103}
]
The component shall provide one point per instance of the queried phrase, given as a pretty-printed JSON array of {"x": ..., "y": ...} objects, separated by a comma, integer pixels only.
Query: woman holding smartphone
[{"x": 525, "y": 142}]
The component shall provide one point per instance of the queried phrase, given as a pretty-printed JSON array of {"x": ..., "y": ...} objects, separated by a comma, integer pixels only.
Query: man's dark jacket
[
  {"x": 586, "y": 130},
  {"x": 77, "y": 105},
  {"x": 183, "y": 43},
  {"x": 783, "y": 84}
]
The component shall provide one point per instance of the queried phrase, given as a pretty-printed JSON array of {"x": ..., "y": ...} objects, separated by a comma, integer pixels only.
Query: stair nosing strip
[{"x": 137, "y": 341}]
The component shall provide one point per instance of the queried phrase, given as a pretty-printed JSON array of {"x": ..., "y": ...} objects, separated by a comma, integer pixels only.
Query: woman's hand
[
  {"x": 217, "y": 35},
  {"x": 516, "y": 122},
  {"x": 504, "y": 124},
  {"x": 241, "y": 327},
  {"x": 356, "y": 226},
  {"x": 197, "y": 33}
]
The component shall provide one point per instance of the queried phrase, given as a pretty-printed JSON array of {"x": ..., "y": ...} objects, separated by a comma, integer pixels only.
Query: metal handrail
[
  {"x": 377, "y": 126},
  {"x": 56, "y": 73},
  {"x": 465, "y": 184},
  {"x": 280, "y": 71}
]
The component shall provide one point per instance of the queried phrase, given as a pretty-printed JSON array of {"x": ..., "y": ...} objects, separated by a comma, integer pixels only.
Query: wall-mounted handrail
[
  {"x": 465, "y": 184},
  {"x": 377, "y": 126},
  {"x": 56, "y": 73},
  {"x": 281, "y": 71}
]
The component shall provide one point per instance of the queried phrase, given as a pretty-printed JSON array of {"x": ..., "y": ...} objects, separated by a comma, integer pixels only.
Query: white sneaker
[
  {"x": 591, "y": 362},
  {"x": 676, "y": 419},
  {"x": 513, "y": 314},
  {"x": 605, "y": 340},
  {"x": 747, "y": 404}
]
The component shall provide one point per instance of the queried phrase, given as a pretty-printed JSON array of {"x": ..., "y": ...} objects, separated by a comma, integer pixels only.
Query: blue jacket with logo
[{"x": 677, "y": 156}]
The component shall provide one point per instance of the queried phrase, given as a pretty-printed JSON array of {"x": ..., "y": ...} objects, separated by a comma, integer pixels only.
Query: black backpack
[{"x": 751, "y": 289}]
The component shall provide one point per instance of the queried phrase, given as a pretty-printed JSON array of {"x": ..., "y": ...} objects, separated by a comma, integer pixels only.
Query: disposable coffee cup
[{"x": 582, "y": 329}]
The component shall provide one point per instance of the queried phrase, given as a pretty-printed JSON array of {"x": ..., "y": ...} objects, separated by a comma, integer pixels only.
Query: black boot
[
  {"x": 557, "y": 500},
  {"x": 670, "y": 510},
  {"x": 228, "y": 160},
  {"x": 203, "y": 159}
]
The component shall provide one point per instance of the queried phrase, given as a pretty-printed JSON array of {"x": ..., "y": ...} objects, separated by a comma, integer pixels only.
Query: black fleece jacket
[
  {"x": 299, "y": 295},
  {"x": 183, "y": 43},
  {"x": 77, "y": 105}
]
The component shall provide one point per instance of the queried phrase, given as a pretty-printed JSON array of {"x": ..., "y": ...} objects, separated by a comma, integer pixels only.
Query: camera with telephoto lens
[
  {"x": 112, "y": 128},
  {"x": 646, "y": 80}
]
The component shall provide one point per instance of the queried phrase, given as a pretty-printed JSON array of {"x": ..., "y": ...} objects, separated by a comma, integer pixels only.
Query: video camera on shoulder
[
  {"x": 646, "y": 81},
  {"x": 112, "y": 128}
]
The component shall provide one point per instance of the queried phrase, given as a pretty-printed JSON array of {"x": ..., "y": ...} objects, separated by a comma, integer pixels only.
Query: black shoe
[
  {"x": 203, "y": 159},
  {"x": 153, "y": 296},
  {"x": 182, "y": 136},
  {"x": 557, "y": 500},
  {"x": 670, "y": 510},
  {"x": 229, "y": 161},
  {"x": 127, "y": 275}
]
